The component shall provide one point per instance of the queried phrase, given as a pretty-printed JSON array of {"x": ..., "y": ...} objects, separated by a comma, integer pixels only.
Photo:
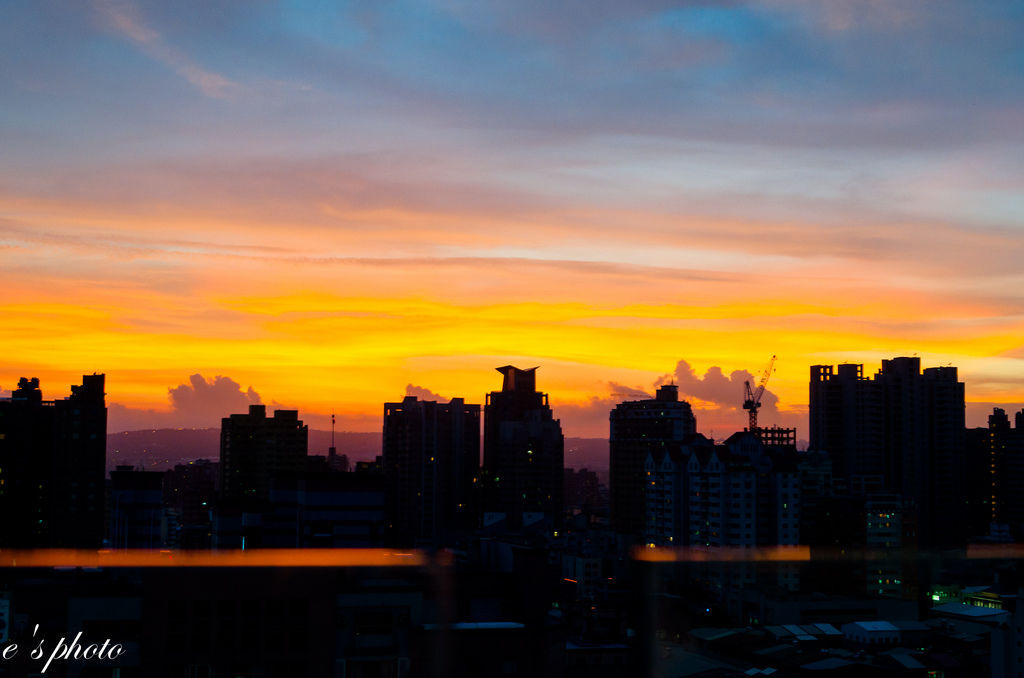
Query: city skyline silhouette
[
  {"x": 195, "y": 403},
  {"x": 749, "y": 272}
]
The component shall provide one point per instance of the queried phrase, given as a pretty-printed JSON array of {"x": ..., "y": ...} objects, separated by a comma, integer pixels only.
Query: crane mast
[{"x": 752, "y": 398}]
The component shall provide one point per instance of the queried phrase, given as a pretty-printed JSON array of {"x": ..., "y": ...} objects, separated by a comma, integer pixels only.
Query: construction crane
[{"x": 752, "y": 402}]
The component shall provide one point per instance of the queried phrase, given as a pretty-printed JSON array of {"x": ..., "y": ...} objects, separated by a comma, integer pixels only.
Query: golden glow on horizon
[
  {"x": 317, "y": 352},
  {"x": 261, "y": 304}
]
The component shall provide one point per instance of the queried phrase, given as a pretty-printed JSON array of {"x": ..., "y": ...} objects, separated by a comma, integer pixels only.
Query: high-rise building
[
  {"x": 52, "y": 465},
  {"x": 1005, "y": 466},
  {"x": 639, "y": 428},
  {"x": 523, "y": 451},
  {"x": 257, "y": 450},
  {"x": 846, "y": 420},
  {"x": 666, "y": 491},
  {"x": 941, "y": 458},
  {"x": 906, "y": 425},
  {"x": 741, "y": 496},
  {"x": 980, "y": 482},
  {"x": 431, "y": 459},
  {"x": 737, "y": 494}
]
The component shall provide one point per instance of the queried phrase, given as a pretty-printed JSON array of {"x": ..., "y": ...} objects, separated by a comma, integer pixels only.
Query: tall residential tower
[
  {"x": 52, "y": 466},
  {"x": 905, "y": 426},
  {"x": 256, "y": 450},
  {"x": 431, "y": 460},
  {"x": 523, "y": 451},
  {"x": 640, "y": 428}
]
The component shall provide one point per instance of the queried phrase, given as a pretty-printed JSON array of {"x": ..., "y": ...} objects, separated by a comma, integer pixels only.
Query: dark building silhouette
[
  {"x": 733, "y": 494},
  {"x": 431, "y": 460},
  {"x": 736, "y": 494},
  {"x": 137, "y": 516},
  {"x": 337, "y": 462},
  {"x": 190, "y": 493},
  {"x": 523, "y": 451},
  {"x": 324, "y": 509},
  {"x": 980, "y": 482},
  {"x": 256, "y": 450},
  {"x": 817, "y": 495},
  {"x": 846, "y": 420},
  {"x": 317, "y": 507},
  {"x": 582, "y": 489},
  {"x": 52, "y": 466},
  {"x": 370, "y": 468},
  {"x": 1000, "y": 456},
  {"x": 925, "y": 445},
  {"x": 640, "y": 428},
  {"x": 906, "y": 425},
  {"x": 777, "y": 438}
]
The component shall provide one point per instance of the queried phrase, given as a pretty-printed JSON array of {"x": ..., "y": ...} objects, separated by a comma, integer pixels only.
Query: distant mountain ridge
[{"x": 160, "y": 449}]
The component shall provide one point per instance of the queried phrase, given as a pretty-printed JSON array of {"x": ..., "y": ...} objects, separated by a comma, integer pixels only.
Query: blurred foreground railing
[{"x": 353, "y": 557}]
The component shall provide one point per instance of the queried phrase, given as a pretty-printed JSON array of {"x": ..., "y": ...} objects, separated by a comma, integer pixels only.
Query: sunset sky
[{"x": 328, "y": 204}]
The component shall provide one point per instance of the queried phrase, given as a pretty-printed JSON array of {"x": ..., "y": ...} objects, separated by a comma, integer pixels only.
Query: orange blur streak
[
  {"x": 716, "y": 554},
  {"x": 353, "y": 557},
  {"x": 995, "y": 551}
]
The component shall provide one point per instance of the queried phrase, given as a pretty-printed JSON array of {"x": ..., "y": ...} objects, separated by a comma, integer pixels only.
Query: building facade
[
  {"x": 733, "y": 494},
  {"x": 255, "y": 452},
  {"x": 638, "y": 429},
  {"x": 846, "y": 420},
  {"x": 1005, "y": 467},
  {"x": 523, "y": 452},
  {"x": 904, "y": 427},
  {"x": 431, "y": 460},
  {"x": 52, "y": 466}
]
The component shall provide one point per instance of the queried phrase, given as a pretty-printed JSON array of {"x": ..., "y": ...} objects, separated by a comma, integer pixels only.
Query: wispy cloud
[{"x": 124, "y": 16}]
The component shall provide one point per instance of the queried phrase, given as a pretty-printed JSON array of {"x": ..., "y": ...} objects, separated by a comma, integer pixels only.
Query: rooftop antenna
[{"x": 332, "y": 451}]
